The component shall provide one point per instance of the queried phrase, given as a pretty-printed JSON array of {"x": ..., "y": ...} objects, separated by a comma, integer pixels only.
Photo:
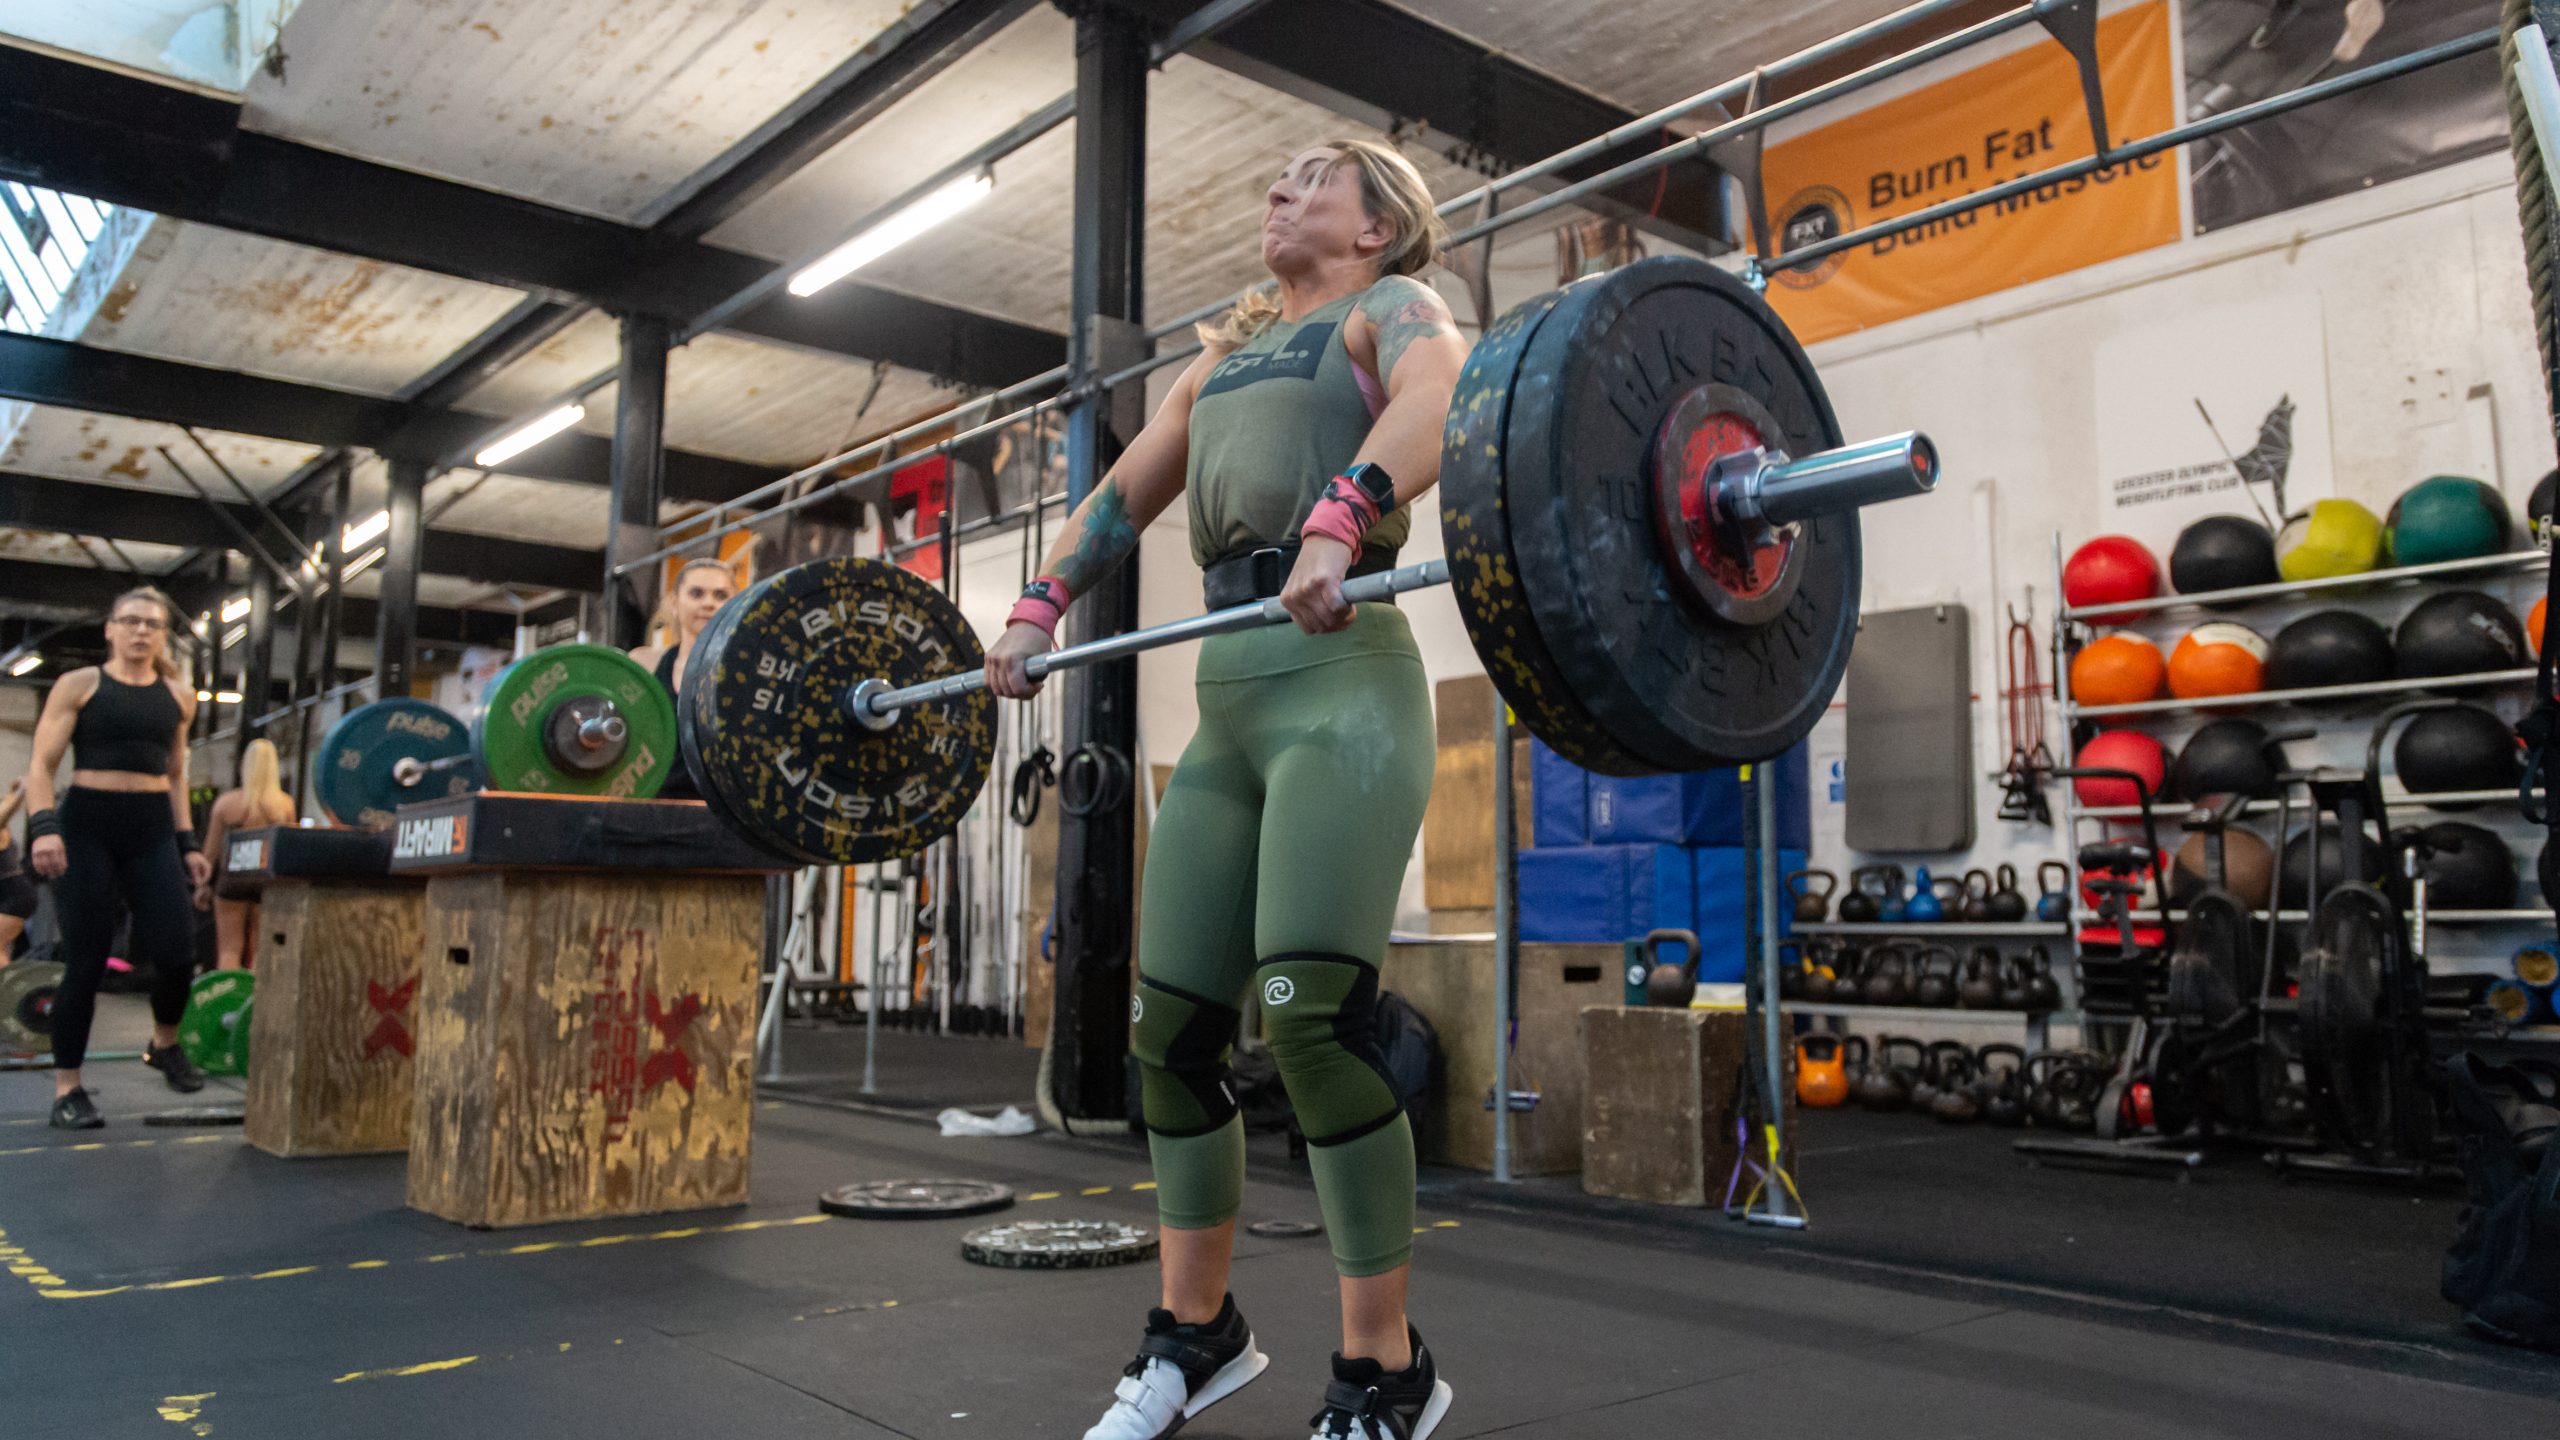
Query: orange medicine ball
[
  {"x": 2533, "y": 626},
  {"x": 2218, "y": 659},
  {"x": 2117, "y": 669}
]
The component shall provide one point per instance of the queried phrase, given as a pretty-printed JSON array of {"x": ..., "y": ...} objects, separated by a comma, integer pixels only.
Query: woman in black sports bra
[
  {"x": 121, "y": 834},
  {"x": 692, "y": 598}
]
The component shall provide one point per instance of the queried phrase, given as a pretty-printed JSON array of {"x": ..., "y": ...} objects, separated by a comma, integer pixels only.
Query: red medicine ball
[
  {"x": 2109, "y": 569},
  {"x": 2120, "y": 750}
]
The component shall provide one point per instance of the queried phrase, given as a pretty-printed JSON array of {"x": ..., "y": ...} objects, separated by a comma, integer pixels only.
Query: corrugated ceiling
[
  {"x": 595, "y": 105},
  {"x": 75, "y": 445}
]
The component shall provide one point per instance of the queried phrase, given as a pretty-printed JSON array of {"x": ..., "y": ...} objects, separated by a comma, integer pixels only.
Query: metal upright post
[
  {"x": 639, "y": 477},
  {"x": 871, "y": 1011},
  {"x": 1506, "y": 957},
  {"x": 396, "y": 625},
  {"x": 1097, "y": 862},
  {"x": 1772, "y": 1032},
  {"x": 257, "y": 673}
]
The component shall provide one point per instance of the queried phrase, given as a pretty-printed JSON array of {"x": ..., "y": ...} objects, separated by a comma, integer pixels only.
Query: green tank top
[{"x": 1273, "y": 422}]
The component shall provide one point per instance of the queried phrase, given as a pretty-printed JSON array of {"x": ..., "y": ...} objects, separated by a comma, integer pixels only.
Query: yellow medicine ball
[{"x": 2333, "y": 537}]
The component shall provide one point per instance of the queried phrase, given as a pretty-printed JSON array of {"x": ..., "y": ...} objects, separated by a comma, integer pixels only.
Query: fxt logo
[
  {"x": 621, "y": 1006},
  {"x": 247, "y": 855},
  {"x": 432, "y": 837},
  {"x": 391, "y": 1032}
]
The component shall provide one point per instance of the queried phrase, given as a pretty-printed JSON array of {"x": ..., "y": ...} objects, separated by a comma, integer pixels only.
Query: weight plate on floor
[
  {"x": 27, "y": 989},
  {"x": 915, "y": 1199},
  {"x": 576, "y": 720},
  {"x": 767, "y": 699},
  {"x": 199, "y": 1115},
  {"x": 1476, "y": 524},
  {"x": 1059, "y": 1245},
  {"x": 1615, "y": 383},
  {"x": 216, "y": 1007},
  {"x": 1284, "y": 1229},
  {"x": 356, "y": 769}
]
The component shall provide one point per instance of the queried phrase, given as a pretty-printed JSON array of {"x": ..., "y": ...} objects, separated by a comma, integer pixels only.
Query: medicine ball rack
[{"x": 2333, "y": 709}]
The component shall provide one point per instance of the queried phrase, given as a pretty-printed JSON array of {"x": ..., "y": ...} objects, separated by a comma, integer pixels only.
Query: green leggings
[{"x": 1275, "y": 861}]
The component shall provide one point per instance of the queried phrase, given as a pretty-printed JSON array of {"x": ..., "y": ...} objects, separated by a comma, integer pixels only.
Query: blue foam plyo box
[
  {"x": 1559, "y": 799},
  {"x": 1704, "y": 808},
  {"x": 1605, "y": 894},
  {"x": 1722, "y": 886}
]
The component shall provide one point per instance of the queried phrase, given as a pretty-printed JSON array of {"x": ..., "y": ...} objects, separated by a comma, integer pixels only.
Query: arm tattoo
[
  {"x": 1403, "y": 310},
  {"x": 1108, "y": 538}
]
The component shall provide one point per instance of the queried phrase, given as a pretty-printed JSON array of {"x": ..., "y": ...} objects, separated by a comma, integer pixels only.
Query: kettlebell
[
  {"x": 1933, "y": 986},
  {"x": 1821, "y": 1080},
  {"x": 1894, "y": 908},
  {"x": 1956, "y": 1102},
  {"x": 2043, "y": 991},
  {"x": 2044, "y": 1073},
  {"x": 1978, "y": 988},
  {"x": 1668, "y": 984},
  {"x": 1925, "y": 1079},
  {"x": 1887, "y": 1085},
  {"x": 2013, "y": 983},
  {"x": 1853, "y": 1063},
  {"x": 1848, "y": 984},
  {"x": 1865, "y": 895},
  {"x": 1793, "y": 977},
  {"x": 1925, "y": 907},
  {"x": 1812, "y": 906},
  {"x": 1977, "y": 897},
  {"x": 2005, "y": 906},
  {"x": 2000, "y": 1093},
  {"x": 2053, "y": 902},
  {"x": 1888, "y": 977}
]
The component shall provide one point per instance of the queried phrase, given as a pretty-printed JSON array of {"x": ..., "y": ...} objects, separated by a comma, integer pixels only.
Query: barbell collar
[
  {"x": 1831, "y": 482},
  {"x": 410, "y": 770},
  {"x": 609, "y": 728}
]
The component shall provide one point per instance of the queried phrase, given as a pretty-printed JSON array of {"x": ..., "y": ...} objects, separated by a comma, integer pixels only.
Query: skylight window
[{"x": 43, "y": 238}]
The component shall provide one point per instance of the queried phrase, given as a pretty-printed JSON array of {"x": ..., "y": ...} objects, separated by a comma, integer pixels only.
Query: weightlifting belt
[{"x": 1250, "y": 575}]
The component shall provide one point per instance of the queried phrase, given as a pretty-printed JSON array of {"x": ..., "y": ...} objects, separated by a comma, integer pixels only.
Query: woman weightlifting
[
  {"x": 700, "y": 588},
  {"x": 1300, "y": 434},
  {"x": 122, "y": 839}
]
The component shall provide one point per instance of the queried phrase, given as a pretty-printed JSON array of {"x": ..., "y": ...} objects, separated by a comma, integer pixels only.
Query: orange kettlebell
[{"x": 1822, "y": 1079}]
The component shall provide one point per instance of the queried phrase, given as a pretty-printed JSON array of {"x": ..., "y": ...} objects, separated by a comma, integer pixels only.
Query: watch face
[{"x": 1373, "y": 482}]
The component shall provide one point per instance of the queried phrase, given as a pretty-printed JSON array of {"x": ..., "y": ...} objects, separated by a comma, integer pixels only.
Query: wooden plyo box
[
  {"x": 1451, "y": 983},
  {"x": 586, "y": 1044},
  {"x": 333, "y": 1032},
  {"x": 1658, "y": 1102}
]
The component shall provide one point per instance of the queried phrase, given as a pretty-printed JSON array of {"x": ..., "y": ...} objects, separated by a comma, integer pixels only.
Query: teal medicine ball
[{"x": 2446, "y": 517}]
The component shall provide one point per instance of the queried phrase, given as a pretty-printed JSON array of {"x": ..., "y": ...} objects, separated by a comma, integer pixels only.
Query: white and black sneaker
[
  {"x": 1180, "y": 1371},
  {"x": 1364, "y": 1402}
]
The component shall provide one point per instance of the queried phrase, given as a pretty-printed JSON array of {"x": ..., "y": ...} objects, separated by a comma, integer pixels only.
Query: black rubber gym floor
[{"x": 174, "y": 1282}]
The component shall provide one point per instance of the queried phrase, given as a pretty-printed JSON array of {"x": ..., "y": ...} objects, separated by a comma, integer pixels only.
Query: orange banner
[{"x": 2012, "y": 117}]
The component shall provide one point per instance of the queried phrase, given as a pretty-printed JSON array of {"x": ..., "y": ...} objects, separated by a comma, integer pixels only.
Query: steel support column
[
  {"x": 639, "y": 477},
  {"x": 257, "y": 676},
  {"x": 1096, "y": 859},
  {"x": 396, "y": 634}
]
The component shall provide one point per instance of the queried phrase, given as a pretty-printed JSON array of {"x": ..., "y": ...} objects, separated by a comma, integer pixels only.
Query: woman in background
[
  {"x": 692, "y": 598},
  {"x": 259, "y": 799}
]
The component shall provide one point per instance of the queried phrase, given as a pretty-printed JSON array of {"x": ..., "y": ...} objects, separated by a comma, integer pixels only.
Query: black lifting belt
[{"x": 1250, "y": 575}]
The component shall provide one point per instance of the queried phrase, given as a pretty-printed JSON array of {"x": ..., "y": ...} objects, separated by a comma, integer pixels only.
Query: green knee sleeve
[
  {"x": 1321, "y": 1012},
  {"x": 1182, "y": 1042}
]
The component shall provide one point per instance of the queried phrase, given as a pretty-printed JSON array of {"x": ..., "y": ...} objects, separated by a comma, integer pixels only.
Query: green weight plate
[
  {"x": 1476, "y": 525},
  {"x": 235, "y": 1056},
  {"x": 767, "y": 703},
  {"x": 217, "y": 1006},
  {"x": 1059, "y": 1245},
  {"x": 549, "y": 719},
  {"x": 1631, "y": 381},
  {"x": 357, "y": 769},
  {"x": 27, "y": 989}
]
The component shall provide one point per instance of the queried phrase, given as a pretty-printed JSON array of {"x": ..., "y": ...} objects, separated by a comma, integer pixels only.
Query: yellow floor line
[{"x": 402, "y": 1372}]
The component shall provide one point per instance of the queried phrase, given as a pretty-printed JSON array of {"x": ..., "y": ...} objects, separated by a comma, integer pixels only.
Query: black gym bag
[{"x": 2503, "y": 1269}]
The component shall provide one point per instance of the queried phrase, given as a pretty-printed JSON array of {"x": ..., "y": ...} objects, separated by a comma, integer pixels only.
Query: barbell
[
  {"x": 1652, "y": 536},
  {"x": 570, "y": 719}
]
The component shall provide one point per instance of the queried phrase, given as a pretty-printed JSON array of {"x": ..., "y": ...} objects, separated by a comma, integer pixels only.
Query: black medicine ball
[
  {"x": 2537, "y": 510},
  {"x": 2227, "y": 757},
  {"x": 2222, "y": 552},
  {"x": 2296, "y": 866},
  {"x": 2467, "y": 868},
  {"x": 2328, "y": 647},
  {"x": 2458, "y": 632},
  {"x": 2462, "y": 747}
]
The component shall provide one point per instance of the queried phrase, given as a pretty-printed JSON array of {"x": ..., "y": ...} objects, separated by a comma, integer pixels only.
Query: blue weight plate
[{"x": 357, "y": 766}]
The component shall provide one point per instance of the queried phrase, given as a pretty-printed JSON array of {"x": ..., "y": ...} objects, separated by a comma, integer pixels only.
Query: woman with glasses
[{"x": 122, "y": 839}]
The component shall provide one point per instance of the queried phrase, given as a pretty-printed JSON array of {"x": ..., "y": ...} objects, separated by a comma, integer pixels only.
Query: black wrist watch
[{"x": 1371, "y": 480}]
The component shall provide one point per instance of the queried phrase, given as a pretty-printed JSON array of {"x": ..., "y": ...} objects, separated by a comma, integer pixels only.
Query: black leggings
[{"x": 121, "y": 853}]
